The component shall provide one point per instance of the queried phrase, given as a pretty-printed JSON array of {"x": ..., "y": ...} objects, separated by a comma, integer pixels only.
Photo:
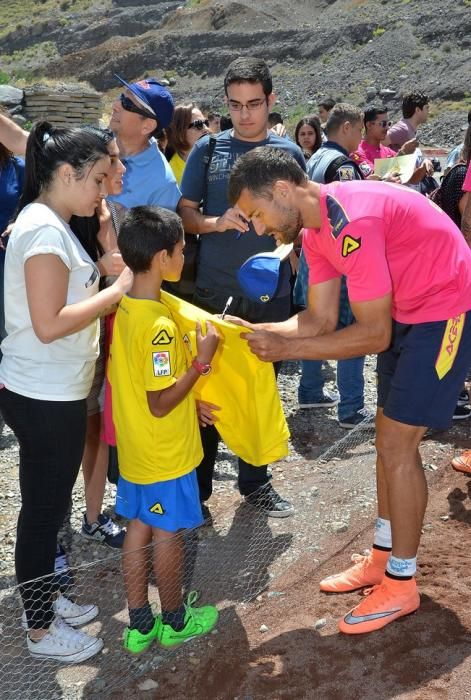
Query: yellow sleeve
[{"x": 160, "y": 355}]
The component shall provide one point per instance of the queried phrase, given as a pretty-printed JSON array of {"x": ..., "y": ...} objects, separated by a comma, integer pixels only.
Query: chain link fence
[{"x": 228, "y": 563}]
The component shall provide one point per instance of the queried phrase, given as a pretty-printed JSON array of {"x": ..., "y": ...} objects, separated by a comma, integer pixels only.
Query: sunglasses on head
[
  {"x": 198, "y": 124},
  {"x": 129, "y": 106}
]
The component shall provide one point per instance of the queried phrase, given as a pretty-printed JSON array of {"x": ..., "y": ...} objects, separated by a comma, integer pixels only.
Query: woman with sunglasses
[{"x": 187, "y": 126}]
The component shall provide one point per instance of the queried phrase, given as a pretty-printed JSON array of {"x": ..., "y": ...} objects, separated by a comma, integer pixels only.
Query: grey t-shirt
[{"x": 221, "y": 254}]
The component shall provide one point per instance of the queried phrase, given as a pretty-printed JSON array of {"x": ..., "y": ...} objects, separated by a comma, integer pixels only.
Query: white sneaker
[
  {"x": 63, "y": 643},
  {"x": 72, "y": 613}
]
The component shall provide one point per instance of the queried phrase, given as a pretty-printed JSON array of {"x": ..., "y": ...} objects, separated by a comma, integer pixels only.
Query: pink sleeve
[
  {"x": 320, "y": 269},
  {"x": 362, "y": 247},
  {"x": 467, "y": 180}
]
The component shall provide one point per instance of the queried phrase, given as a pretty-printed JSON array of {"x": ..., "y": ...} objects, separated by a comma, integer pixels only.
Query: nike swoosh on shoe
[{"x": 352, "y": 620}]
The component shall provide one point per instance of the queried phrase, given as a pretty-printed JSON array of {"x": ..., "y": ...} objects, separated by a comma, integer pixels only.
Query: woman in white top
[{"x": 51, "y": 309}]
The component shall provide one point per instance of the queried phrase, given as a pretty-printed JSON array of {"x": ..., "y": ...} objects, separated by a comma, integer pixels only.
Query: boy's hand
[
  {"x": 205, "y": 413},
  {"x": 206, "y": 344}
]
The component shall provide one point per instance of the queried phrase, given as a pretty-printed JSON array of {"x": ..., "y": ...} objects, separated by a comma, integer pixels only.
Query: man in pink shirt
[
  {"x": 375, "y": 119},
  {"x": 408, "y": 271}
]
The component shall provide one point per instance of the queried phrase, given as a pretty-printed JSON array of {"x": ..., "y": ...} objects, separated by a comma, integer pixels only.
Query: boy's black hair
[
  {"x": 247, "y": 69},
  {"x": 146, "y": 231},
  {"x": 274, "y": 118}
]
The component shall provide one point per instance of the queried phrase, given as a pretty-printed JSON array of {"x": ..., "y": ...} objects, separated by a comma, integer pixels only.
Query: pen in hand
[{"x": 226, "y": 307}]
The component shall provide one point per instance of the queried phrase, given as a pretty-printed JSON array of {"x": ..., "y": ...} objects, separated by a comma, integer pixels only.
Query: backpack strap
[{"x": 207, "y": 162}]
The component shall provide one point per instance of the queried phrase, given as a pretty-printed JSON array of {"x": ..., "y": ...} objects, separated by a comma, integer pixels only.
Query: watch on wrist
[{"x": 202, "y": 368}]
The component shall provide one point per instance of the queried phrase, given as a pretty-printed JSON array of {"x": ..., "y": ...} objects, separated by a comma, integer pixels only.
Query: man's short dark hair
[
  {"x": 249, "y": 70},
  {"x": 372, "y": 112},
  {"x": 259, "y": 169},
  {"x": 226, "y": 122},
  {"x": 146, "y": 231},
  {"x": 274, "y": 118},
  {"x": 341, "y": 113},
  {"x": 411, "y": 101},
  {"x": 328, "y": 103}
]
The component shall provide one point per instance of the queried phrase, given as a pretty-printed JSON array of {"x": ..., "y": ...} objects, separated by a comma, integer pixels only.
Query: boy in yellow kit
[{"x": 158, "y": 437}]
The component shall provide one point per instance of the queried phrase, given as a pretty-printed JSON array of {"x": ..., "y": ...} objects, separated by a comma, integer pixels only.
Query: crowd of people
[{"x": 100, "y": 221}]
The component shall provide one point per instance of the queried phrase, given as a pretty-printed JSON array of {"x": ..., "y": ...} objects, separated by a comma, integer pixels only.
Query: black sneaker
[
  {"x": 270, "y": 502},
  {"x": 461, "y": 412},
  {"x": 208, "y": 518},
  {"x": 104, "y": 530},
  {"x": 361, "y": 416},
  {"x": 463, "y": 398},
  {"x": 328, "y": 400}
]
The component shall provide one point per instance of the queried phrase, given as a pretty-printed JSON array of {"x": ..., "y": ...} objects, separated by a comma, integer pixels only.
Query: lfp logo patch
[{"x": 161, "y": 363}]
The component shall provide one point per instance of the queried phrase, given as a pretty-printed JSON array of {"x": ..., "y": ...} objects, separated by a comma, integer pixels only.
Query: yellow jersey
[
  {"x": 251, "y": 420},
  {"x": 147, "y": 354}
]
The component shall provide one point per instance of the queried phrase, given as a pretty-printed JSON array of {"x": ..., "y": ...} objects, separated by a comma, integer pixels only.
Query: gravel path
[{"x": 305, "y": 444}]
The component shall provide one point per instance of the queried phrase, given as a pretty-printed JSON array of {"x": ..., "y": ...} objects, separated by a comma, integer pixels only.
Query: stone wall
[{"x": 66, "y": 106}]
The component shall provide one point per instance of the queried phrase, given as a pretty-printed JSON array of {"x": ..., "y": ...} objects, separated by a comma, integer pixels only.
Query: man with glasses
[
  {"x": 138, "y": 116},
  {"x": 227, "y": 240},
  {"x": 376, "y": 122}
]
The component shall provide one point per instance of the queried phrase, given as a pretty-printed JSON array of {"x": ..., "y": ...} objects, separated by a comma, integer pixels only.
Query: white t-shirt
[{"x": 61, "y": 370}]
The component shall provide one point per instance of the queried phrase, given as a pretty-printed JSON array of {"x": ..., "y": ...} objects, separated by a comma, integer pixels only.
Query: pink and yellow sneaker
[
  {"x": 366, "y": 571},
  {"x": 383, "y": 604}
]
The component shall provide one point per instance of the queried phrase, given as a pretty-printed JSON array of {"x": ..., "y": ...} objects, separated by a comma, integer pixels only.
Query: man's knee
[{"x": 397, "y": 441}]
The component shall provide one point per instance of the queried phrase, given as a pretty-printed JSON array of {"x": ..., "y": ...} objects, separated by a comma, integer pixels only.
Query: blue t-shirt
[
  {"x": 221, "y": 254},
  {"x": 148, "y": 180}
]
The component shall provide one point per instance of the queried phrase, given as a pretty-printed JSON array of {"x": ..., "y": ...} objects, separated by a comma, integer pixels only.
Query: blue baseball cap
[
  {"x": 259, "y": 275},
  {"x": 152, "y": 97}
]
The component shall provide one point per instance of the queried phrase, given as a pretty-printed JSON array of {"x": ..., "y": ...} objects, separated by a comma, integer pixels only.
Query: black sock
[
  {"x": 175, "y": 618},
  {"x": 141, "y": 619}
]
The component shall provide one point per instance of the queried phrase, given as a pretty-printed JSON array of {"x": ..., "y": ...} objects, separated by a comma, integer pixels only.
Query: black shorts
[{"x": 422, "y": 373}]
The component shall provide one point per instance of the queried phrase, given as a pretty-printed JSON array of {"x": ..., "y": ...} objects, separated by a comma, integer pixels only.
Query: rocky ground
[
  {"x": 277, "y": 636},
  {"x": 355, "y": 50}
]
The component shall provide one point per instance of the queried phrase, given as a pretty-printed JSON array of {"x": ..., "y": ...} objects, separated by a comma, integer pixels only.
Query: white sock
[
  {"x": 401, "y": 568},
  {"x": 382, "y": 536}
]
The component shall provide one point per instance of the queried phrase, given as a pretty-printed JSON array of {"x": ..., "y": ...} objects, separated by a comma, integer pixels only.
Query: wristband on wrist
[{"x": 202, "y": 368}]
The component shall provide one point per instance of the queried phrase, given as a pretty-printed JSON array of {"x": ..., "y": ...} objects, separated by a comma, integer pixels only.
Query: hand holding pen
[{"x": 232, "y": 219}]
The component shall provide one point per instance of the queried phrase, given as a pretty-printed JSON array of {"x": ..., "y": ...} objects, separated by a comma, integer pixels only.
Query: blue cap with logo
[
  {"x": 259, "y": 275},
  {"x": 153, "y": 97}
]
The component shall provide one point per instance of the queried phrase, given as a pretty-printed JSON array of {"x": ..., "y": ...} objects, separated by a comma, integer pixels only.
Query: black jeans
[
  {"x": 51, "y": 435},
  {"x": 250, "y": 477}
]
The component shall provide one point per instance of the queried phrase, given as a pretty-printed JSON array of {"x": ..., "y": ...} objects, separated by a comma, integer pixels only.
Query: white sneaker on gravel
[
  {"x": 64, "y": 643},
  {"x": 72, "y": 613}
]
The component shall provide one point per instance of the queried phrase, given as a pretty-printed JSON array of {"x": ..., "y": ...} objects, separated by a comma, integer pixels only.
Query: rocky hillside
[{"x": 355, "y": 50}]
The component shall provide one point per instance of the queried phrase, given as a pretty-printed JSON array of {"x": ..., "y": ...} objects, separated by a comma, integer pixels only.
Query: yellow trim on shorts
[{"x": 450, "y": 345}]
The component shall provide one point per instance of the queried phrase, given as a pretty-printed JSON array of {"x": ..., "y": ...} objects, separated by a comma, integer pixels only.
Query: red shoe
[
  {"x": 383, "y": 604},
  {"x": 462, "y": 463},
  {"x": 366, "y": 571}
]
